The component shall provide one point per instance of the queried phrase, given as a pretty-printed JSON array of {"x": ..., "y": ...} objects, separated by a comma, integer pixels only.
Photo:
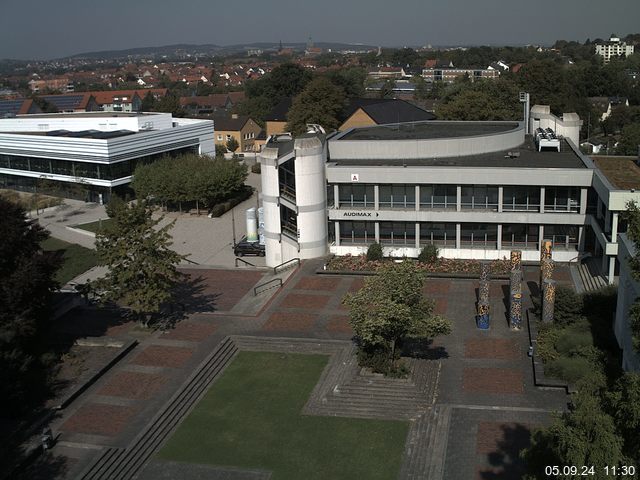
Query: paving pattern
[{"x": 470, "y": 401}]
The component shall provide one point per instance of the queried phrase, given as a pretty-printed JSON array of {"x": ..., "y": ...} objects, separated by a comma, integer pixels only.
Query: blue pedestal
[{"x": 482, "y": 322}]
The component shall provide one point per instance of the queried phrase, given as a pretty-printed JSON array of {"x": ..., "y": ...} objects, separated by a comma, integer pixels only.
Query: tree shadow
[
  {"x": 505, "y": 461},
  {"x": 506, "y": 300},
  {"x": 190, "y": 297},
  {"x": 46, "y": 466},
  {"x": 423, "y": 349}
]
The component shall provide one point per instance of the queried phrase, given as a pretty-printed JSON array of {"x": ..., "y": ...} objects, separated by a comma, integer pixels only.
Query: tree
[
  {"x": 26, "y": 292},
  {"x": 624, "y": 401},
  {"x": 386, "y": 90},
  {"x": 232, "y": 144},
  {"x": 148, "y": 103},
  {"x": 630, "y": 141},
  {"x": 351, "y": 80},
  {"x": 480, "y": 100},
  {"x": 220, "y": 151},
  {"x": 170, "y": 104},
  {"x": 389, "y": 308},
  {"x": 585, "y": 435},
  {"x": 142, "y": 267},
  {"x": 320, "y": 102}
]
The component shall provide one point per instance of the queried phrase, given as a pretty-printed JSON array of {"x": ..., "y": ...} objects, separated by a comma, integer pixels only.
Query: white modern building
[
  {"x": 613, "y": 48},
  {"x": 98, "y": 151},
  {"x": 476, "y": 190}
]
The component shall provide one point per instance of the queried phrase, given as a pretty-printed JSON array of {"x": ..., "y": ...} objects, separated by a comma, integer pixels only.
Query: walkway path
[{"x": 471, "y": 401}]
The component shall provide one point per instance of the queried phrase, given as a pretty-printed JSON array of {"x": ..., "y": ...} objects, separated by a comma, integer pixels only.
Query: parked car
[{"x": 243, "y": 248}]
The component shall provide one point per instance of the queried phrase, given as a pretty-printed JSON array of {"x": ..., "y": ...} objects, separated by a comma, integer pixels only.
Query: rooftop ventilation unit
[
  {"x": 512, "y": 155},
  {"x": 315, "y": 128},
  {"x": 546, "y": 139}
]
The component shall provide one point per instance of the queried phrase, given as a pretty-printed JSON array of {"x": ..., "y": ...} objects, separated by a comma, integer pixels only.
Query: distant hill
[{"x": 208, "y": 49}]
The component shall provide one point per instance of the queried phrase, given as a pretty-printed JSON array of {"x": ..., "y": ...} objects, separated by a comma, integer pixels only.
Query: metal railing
[
  {"x": 286, "y": 264},
  {"x": 243, "y": 261},
  {"x": 277, "y": 281}
]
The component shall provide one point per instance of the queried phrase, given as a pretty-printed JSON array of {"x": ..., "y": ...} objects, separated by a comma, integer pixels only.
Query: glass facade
[
  {"x": 479, "y": 197},
  {"x": 521, "y": 199},
  {"x": 398, "y": 233},
  {"x": 356, "y": 195},
  {"x": 562, "y": 199},
  {"x": 564, "y": 237},
  {"x": 438, "y": 196},
  {"x": 441, "y": 234},
  {"x": 520, "y": 236},
  {"x": 72, "y": 168},
  {"x": 287, "y": 179},
  {"x": 397, "y": 196},
  {"x": 479, "y": 235},
  {"x": 357, "y": 233}
]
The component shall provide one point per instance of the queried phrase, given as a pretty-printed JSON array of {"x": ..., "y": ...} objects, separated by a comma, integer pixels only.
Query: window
[
  {"x": 520, "y": 236},
  {"x": 330, "y": 198},
  {"x": 479, "y": 197},
  {"x": 519, "y": 199},
  {"x": 288, "y": 222},
  {"x": 479, "y": 235},
  {"x": 356, "y": 195},
  {"x": 438, "y": 196},
  {"x": 398, "y": 233},
  {"x": 228, "y": 137},
  {"x": 357, "y": 233},
  {"x": 397, "y": 196},
  {"x": 441, "y": 234},
  {"x": 564, "y": 237},
  {"x": 562, "y": 199},
  {"x": 219, "y": 137}
]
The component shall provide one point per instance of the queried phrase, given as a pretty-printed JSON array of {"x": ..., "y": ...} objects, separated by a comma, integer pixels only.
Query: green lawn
[
  {"x": 76, "y": 259},
  {"x": 95, "y": 226},
  {"x": 251, "y": 418}
]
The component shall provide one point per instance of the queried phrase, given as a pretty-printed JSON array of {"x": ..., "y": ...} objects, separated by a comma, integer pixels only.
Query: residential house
[
  {"x": 366, "y": 112},
  {"x": 60, "y": 84},
  {"x": 72, "y": 102},
  {"x": 240, "y": 127},
  {"x": 276, "y": 121}
]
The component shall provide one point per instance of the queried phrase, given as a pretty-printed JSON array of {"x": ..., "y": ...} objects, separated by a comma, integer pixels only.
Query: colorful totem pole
[
  {"x": 545, "y": 260},
  {"x": 516, "y": 259},
  {"x": 548, "y": 300},
  {"x": 515, "y": 291},
  {"x": 482, "y": 320}
]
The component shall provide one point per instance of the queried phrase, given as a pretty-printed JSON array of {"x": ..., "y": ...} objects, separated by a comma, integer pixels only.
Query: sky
[{"x": 42, "y": 29}]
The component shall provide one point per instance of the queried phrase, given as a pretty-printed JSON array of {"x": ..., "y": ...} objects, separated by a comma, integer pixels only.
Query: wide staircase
[
  {"x": 589, "y": 272},
  {"x": 124, "y": 463}
]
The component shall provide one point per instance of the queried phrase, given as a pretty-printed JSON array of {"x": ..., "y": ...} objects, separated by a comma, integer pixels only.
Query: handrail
[
  {"x": 238, "y": 259},
  {"x": 275, "y": 269},
  {"x": 255, "y": 289}
]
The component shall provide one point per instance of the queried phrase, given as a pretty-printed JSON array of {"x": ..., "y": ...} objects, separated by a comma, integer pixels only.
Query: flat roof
[
  {"x": 622, "y": 172},
  {"x": 428, "y": 130},
  {"x": 89, "y": 114},
  {"x": 529, "y": 157}
]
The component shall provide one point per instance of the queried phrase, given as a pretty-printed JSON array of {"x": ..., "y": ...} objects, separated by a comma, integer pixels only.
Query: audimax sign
[{"x": 359, "y": 214}]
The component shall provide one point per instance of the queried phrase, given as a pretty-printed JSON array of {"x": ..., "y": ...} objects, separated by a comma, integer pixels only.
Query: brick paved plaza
[{"x": 483, "y": 402}]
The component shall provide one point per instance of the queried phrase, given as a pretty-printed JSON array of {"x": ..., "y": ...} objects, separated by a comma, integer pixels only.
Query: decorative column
[
  {"x": 548, "y": 300},
  {"x": 546, "y": 264},
  {"x": 483, "y": 318},
  {"x": 515, "y": 297},
  {"x": 516, "y": 259}
]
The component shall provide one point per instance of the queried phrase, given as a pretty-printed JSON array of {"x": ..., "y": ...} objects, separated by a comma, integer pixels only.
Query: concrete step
[{"x": 124, "y": 464}]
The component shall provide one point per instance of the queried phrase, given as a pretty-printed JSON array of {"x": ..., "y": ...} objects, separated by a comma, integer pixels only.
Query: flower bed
[{"x": 359, "y": 263}]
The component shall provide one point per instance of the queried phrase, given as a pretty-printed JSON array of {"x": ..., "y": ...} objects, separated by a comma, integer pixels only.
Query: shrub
[
  {"x": 217, "y": 210},
  {"x": 571, "y": 343},
  {"x": 570, "y": 369},
  {"x": 378, "y": 361},
  {"x": 429, "y": 254},
  {"x": 255, "y": 168},
  {"x": 374, "y": 252},
  {"x": 568, "y": 306}
]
